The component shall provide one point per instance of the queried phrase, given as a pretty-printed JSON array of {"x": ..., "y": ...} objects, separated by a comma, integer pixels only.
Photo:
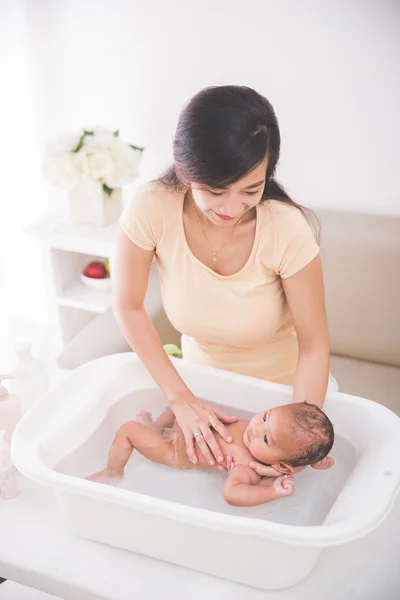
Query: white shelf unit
[
  {"x": 86, "y": 325},
  {"x": 71, "y": 291},
  {"x": 79, "y": 296}
]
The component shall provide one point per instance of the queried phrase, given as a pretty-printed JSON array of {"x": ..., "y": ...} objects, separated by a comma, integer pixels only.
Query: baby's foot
[
  {"x": 107, "y": 476},
  {"x": 145, "y": 417}
]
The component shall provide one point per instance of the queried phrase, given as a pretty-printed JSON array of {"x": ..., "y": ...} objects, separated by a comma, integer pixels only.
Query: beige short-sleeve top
[{"x": 239, "y": 322}]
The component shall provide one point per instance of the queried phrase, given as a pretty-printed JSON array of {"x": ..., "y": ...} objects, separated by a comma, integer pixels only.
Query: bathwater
[{"x": 314, "y": 495}]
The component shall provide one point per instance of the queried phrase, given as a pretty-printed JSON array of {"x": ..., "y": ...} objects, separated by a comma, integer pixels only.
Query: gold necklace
[{"x": 215, "y": 253}]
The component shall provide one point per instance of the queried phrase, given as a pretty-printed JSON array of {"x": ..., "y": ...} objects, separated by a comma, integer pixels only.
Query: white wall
[
  {"x": 329, "y": 68},
  {"x": 21, "y": 182}
]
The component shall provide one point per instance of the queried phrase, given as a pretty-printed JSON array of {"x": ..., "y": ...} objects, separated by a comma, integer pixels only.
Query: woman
[{"x": 239, "y": 265}]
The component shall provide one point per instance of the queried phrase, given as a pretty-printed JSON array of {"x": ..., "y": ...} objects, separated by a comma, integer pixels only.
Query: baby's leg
[
  {"x": 146, "y": 418},
  {"x": 164, "y": 421},
  {"x": 133, "y": 435}
]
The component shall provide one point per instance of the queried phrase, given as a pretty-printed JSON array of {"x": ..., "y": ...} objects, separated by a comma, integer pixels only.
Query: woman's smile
[{"x": 223, "y": 217}]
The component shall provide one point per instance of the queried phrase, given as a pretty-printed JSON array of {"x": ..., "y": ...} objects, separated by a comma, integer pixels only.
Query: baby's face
[{"x": 270, "y": 435}]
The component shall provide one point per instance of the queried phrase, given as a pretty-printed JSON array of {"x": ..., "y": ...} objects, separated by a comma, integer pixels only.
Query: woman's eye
[
  {"x": 252, "y": 193},
  {"x": 265, "y": 439},
  {"x": 216, "y": 193},
  {"x": 265, "y": 417}
]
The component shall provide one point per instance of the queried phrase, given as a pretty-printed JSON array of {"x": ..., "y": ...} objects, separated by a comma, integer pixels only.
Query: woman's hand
[{"x": 196, "y": 418}]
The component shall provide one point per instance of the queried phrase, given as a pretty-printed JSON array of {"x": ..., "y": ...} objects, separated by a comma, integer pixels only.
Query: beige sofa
[{"x": 361, "y": 260}]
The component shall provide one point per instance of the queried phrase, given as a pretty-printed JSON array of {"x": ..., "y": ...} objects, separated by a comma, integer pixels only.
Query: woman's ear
[
  {"x": 283, "y": 468},
  {"x": 325, "y": 463}
]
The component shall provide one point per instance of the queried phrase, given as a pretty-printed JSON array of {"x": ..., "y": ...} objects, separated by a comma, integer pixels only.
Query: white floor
[{"x": 14, "y": 591}]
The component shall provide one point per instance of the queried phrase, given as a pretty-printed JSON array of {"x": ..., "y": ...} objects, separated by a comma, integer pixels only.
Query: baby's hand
[
  {"x": 231, "y": 463},
  {"x": 283, "y": 486}
]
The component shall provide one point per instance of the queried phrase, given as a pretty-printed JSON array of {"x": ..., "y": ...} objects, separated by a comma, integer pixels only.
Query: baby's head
[{"x": 289, "y": 436}]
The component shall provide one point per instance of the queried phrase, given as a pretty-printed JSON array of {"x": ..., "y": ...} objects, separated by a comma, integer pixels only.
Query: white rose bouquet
[{"x": 95, "y": 154}]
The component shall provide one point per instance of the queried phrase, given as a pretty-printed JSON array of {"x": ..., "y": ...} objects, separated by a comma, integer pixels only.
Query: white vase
[{"x": 89, "y": 204}]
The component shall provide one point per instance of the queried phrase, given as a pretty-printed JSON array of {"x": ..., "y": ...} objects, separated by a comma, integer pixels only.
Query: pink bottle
[{"x": 10, "y": 410}]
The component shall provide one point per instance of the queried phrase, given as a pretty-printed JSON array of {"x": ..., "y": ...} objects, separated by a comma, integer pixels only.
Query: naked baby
[{"x": 285, "y": 437}]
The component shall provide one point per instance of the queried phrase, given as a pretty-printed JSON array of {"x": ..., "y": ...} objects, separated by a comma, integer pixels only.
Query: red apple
[{"x": 95, "y": 270}]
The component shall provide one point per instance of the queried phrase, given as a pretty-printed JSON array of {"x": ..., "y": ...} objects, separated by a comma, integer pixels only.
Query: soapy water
[{"x": 314, "y": 495}]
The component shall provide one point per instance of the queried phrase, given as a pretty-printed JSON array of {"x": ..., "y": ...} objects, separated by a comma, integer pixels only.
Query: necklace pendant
[{"x": 215, "y": 258}]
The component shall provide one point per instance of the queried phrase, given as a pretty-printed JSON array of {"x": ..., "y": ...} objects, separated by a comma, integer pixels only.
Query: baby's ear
[
  {"x": 325, "y": 463},
  {"x": 283, "y": 468}
]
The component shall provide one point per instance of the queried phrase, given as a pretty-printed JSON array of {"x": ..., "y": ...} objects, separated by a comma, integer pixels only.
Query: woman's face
[{"x": 224, "y": 206}]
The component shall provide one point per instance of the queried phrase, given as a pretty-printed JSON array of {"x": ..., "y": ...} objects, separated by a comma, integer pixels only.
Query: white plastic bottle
[
  {"x": 30, "y": 379},
  {"x": 10, "y": 410},
  {"x": 8, "y": 476}
]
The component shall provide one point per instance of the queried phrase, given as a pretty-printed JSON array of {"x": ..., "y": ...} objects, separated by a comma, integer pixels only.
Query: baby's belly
[
  {"x": 181, "y": 461},
  {"x": 180, "y": 458}
]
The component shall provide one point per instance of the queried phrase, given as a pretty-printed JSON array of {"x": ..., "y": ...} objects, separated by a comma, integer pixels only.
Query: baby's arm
[{"x": 242, "y": 487}]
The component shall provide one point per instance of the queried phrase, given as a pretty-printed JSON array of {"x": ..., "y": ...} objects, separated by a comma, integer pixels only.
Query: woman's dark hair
[{"x": 222, "y": 134}]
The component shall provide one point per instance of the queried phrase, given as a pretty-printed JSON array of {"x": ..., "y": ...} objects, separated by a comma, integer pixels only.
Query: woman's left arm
[
  {"x": 305, "y": 296},
  {"x": 306, "y": 300}
]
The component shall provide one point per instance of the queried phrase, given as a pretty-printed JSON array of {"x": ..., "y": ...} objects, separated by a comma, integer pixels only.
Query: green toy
[{"x": 172, "y": 350}]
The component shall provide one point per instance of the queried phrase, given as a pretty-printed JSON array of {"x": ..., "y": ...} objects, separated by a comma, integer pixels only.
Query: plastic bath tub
[{"x": 180, "y": 516}]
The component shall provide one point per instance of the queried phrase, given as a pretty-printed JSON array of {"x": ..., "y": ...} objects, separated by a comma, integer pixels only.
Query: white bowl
[{"x": 102, "y": 285}]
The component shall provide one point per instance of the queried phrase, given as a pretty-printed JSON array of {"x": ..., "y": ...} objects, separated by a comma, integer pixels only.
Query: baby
[{"x": 284, "y": 437}]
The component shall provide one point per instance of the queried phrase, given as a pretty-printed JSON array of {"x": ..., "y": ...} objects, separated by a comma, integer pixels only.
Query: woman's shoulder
[
  {"x": 155, "y": 191},
  {"x": 154, "y": 200},
  {"x": 275, "y": 212},
  {"x": 287, "y": 239},
  {"x": 280, "y": 218},
  {"x": 152, "y": 210}
]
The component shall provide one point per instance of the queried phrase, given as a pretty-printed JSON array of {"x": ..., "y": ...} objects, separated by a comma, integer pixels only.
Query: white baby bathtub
[{"x": 180, "y": 516}]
